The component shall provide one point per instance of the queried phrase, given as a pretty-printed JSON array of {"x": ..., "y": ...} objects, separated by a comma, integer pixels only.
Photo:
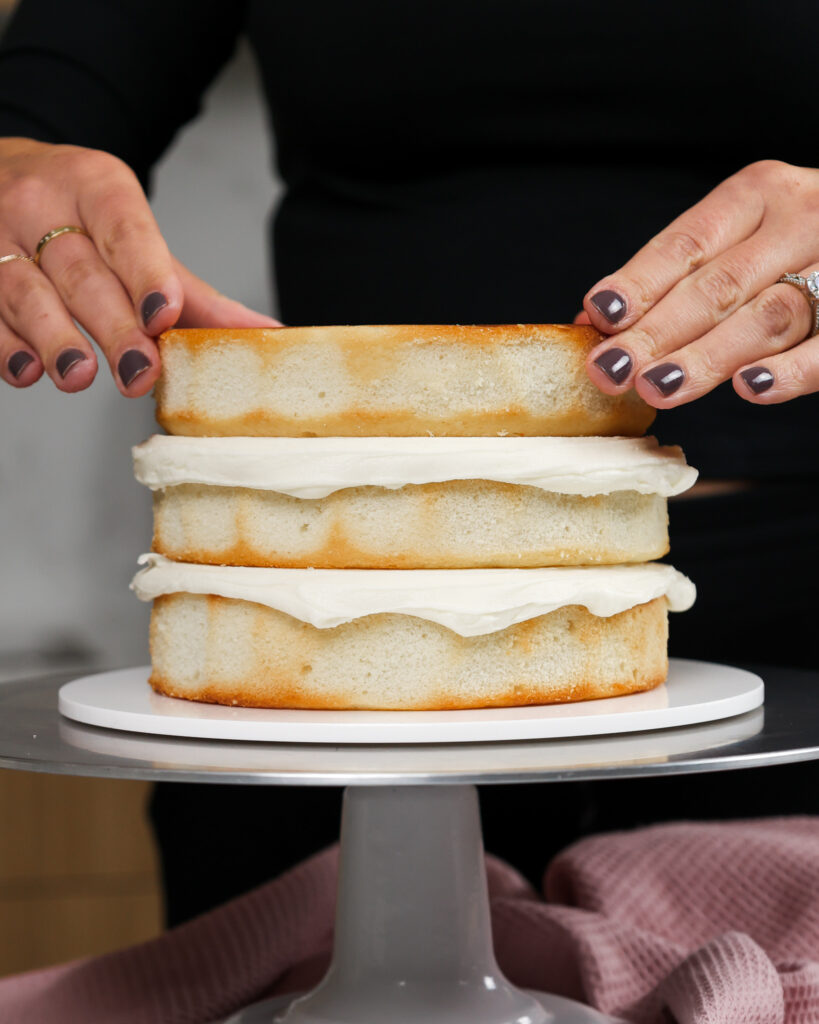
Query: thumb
[
  {"x": 582, "y": 317},
  {"x": 204, "y": 306}
]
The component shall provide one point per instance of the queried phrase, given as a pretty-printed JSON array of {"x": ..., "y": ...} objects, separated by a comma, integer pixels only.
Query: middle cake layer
[{"x": 411, "y": 502}]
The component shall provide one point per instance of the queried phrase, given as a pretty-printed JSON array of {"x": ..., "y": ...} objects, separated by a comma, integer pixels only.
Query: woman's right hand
[{"x": 120, "y": 282}]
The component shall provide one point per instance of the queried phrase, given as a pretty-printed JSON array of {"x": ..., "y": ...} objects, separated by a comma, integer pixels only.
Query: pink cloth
[{"x": 693, "y": 923}]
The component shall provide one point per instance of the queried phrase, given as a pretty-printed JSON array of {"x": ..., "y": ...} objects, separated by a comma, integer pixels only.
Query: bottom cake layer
[{"x": 227, "y": 651}]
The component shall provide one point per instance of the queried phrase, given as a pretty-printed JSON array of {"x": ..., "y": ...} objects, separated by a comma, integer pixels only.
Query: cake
[
  {"x": 397, "y": 381},
  {"x": 407, "y": 639},
  {"x": 411, "y": 503},
  {"x": 349, "y": 518}
]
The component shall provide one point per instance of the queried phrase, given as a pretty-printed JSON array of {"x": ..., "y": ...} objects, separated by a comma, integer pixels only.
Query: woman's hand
[
  {"x": 119, "y": 282},
  {"x": 699, "y": 304}
]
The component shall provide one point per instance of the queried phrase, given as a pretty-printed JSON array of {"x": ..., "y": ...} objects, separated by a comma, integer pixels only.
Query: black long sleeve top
[{"x": 456, "y": 161}]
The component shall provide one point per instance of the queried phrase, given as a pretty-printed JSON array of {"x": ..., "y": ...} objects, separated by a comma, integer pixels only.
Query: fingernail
[
  {"x": 615, "y": 363},
  {"x": 151, "y": 305},
  {"x": 758, "y": 379},
  {"x": 131, "y": 365},
  {"x": 18, "y": 362},
  {"x": 611, "y": 305},
  {"x": 70, "y": 357},
  {"x": 666, "y": 378}
]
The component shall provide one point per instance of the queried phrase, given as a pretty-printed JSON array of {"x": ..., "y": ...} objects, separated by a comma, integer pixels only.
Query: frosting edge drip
[
  {"x": 312, "y": 468},
  {"x": 471, "y": 602}
]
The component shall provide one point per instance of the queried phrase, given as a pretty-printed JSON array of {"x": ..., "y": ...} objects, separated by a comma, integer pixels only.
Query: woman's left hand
[{"x": 700, "y": 303}]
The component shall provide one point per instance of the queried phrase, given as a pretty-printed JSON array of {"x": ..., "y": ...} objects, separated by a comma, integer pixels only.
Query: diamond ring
[{"x": 809, "y": 286}]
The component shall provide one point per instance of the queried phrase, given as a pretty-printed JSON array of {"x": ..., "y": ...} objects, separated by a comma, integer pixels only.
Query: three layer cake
[{"x": 407, "y": 557}]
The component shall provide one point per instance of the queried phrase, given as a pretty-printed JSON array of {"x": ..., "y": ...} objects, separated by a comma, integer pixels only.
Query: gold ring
[
  {"x": 16, "y": 256},
  {"x": 55, "y": 233},
  {"x": 809, "y": 287}
]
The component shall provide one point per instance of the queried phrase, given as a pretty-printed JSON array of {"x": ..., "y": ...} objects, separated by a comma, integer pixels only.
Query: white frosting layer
[
  {"x": 314, "y": 467},
  {"x": 468, "y": 601}
]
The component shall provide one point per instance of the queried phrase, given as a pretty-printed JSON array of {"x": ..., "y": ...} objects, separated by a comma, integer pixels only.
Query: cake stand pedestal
[{"x": 413, "y": 941}]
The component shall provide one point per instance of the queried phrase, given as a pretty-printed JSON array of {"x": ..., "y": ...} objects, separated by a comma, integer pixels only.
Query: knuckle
[
  {"x": 124, "y": 232},
  {"x": 764, "y": 169},
  {"x": 25, "y": 299},
  {"x": 637, "y": 288},
  {"x": 125, "y": 334},
  {"x": 778, "y": 311},
  {"x": 721, "y": 286},
  {"x": 97, "y": 164},
  {"x": 800, "y": 376},
  {"x": 119, "y": 336},
  {"x": 767, "y": 166},
  {"x": 646, "y": 340},
  {"x": 811, "y": 209},
  {"x": 681, "y": 247},
  {"x": 784, "y": 177},
  {"x": 23, "y": 194},
  {"x": 76, "y": 276},
  {"x": 711, "y": 365}
]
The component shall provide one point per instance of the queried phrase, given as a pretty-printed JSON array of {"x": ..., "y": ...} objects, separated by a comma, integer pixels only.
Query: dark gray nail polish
[
  {"x": 666, "y": 378},
  {"x": 131, "y": 365},
  {"x": 151, "y": 305},
  {"x": 18, "y": 362},
  {"x": 758, "y": 379},
  {"x": 615, "y": 363},
  {"x": 68, "y": 358},
  {"x": 610, "y": 304}
]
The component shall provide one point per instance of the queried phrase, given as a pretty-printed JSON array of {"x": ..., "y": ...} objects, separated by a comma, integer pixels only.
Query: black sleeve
[{"x": 117, "y": 75}]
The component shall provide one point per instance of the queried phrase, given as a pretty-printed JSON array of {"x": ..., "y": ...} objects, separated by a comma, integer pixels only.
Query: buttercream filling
[
  {"x": 468, "y": 601},
  {"x": 317, "y": 466}
]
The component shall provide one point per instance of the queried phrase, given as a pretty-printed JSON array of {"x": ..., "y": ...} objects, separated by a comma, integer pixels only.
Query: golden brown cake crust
[{"x": 397, "y": 380}]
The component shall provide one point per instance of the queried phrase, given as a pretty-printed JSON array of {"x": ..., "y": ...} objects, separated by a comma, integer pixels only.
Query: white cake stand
[
  {"x": 413, "y": 940},
  {"x": 692, "y": 694}
]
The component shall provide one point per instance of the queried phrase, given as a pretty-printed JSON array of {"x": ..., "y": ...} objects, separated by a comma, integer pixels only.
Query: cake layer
[
  {"x": 469, "y": 602},
  {"x": 318, "y": 466},
  {"x": 229, "y": 651},
  {"x": 416, "y": 502},
  {"x": 459, "y": 524},
  {"x": 388, "y": 381}
]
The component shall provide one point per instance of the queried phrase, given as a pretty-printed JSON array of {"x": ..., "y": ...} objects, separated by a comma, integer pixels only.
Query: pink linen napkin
[{"x": 693, "y": 923}]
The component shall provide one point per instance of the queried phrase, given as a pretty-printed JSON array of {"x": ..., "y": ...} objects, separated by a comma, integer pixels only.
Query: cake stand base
[
  {"x": 413, "y": 940},
  {"x": 556, "y": 1011}
]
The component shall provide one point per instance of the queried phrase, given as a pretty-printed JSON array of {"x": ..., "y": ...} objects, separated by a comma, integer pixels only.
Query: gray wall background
[{"x": 72, "y": 519}]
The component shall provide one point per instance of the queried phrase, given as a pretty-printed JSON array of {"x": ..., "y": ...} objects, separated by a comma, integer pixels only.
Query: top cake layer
[{"x": 388, "y": 381}]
